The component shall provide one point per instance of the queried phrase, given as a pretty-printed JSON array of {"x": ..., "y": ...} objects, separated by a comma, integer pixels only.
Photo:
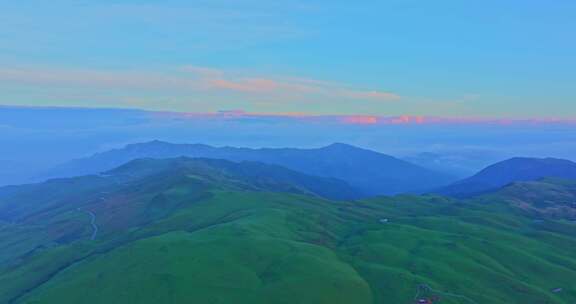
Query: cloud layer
[{"x": 192, "y": 83}]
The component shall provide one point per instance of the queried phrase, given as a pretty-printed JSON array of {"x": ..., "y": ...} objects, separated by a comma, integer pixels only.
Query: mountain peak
[
  {"x": 338, "y": 145},
  {"x": 157, "y": 142},
  {"x": 152, "y": 143}
]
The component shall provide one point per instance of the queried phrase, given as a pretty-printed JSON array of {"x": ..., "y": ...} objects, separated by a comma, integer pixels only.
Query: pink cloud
[
  {"x": 361, "y": 120},
  {"x": 190, "y": 80},
  {"x": 220, "y": 80},
  {"x": 404, "y": 119},
  {"x": 365, "y": 119}
]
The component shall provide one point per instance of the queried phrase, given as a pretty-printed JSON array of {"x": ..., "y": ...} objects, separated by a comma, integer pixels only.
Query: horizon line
[{"x": 351, "y": 119}]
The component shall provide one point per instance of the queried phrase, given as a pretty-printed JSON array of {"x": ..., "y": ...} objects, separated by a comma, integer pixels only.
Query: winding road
[{"x": 92, "y": 223}]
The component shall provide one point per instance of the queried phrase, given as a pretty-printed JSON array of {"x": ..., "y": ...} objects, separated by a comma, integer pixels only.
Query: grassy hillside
[{"x": 172, "y": 239}]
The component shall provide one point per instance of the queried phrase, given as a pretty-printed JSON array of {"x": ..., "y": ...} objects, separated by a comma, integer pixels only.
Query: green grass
[
  {"x": 245, "y": 247},
  {"x": 187, "y": 241}
]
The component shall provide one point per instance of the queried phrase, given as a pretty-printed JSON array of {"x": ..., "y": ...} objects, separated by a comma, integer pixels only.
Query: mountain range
[{"x": 370, "y": 172}]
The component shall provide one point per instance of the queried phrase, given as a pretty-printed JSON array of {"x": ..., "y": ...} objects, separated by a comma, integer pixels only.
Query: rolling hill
[
  {"x": 371, "y": 172},
  {"x": 203, "y": 231},
  {"x": 513, "y": 170}
]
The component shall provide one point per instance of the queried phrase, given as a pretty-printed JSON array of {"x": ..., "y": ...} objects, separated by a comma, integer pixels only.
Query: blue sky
[{"x": 438, "y": 58}]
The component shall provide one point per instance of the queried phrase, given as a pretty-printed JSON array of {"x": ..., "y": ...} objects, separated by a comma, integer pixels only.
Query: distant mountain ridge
[
  {"x": 519, "y": 169},
  {"x": 372, "y": 172}
]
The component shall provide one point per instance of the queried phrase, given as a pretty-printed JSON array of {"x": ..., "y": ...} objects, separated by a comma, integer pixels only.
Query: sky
[{"x": 448, "y": 58}]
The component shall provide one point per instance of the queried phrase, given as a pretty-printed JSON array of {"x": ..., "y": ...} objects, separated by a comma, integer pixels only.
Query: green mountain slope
[{"x": 209, "y": 237}]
